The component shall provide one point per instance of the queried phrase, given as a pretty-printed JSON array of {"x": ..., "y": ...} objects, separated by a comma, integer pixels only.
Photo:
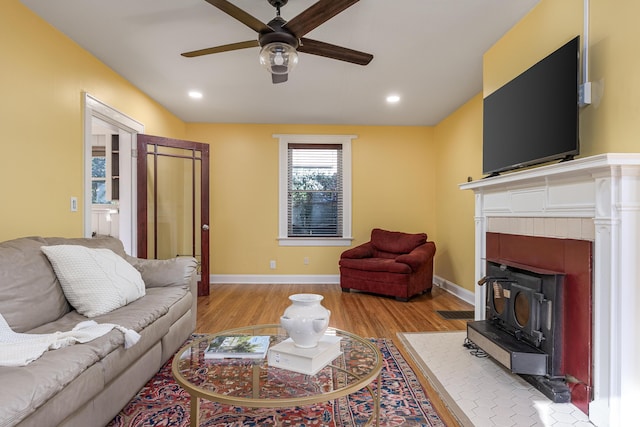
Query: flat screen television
[{"x": 533, "y": 119}]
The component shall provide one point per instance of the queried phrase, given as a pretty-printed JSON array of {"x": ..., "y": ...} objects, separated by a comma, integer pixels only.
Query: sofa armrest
[
  {"x": 165, "y": 272},
  {"x": 364, "y": 250},
  {"x": 417, "y": 257}
]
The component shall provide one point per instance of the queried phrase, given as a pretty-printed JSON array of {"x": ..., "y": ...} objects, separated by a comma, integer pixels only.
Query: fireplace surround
[
  {"x": 539, "y": 309},
  {"x": 594, "y": 199}
]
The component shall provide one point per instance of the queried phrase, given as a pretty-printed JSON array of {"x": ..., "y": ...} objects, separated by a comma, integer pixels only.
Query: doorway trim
[{"x": 94, "y": 108}]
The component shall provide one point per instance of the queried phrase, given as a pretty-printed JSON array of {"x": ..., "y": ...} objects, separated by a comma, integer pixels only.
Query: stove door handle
[{"x": 485, "y": 279}]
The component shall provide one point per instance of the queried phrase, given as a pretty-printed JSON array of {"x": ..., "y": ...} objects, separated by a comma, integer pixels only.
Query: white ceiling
[{"x": 427, "y": 51}]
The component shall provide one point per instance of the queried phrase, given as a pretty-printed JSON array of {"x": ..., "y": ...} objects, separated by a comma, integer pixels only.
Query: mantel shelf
[{"x": 587, "y": 166}]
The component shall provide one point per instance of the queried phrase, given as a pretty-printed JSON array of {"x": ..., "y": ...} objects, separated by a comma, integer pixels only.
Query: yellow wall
[
  {"x": 404, "y": 178},
  {"x": 397, "y": 194},
  {"x": 459, "y": 142},
  {"x": 42, "y": 77},
  {"x": 611, "y": 123},
  {"x": 42, "y": 80}
]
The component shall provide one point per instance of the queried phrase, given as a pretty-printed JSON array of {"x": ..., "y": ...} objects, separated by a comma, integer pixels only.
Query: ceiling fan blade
[
  {"x": 340, "y": 53},
  {"x": 315, "y": 15},
  {"x": 279, "y": 78},
  {"x": 223, "y": 48},
  {"x": 242, "y": 16}
]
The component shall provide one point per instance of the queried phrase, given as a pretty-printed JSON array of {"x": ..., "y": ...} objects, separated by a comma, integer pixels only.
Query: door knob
[{"x": 205, "y": 227}]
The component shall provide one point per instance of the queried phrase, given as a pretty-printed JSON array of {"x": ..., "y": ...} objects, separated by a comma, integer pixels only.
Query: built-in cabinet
[
  {"x": 105, "y": 184},
  {"x": 115, "y": 167}
]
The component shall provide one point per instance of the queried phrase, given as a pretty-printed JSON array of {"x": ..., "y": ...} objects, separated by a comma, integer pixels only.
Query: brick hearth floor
[{"x": 482, "y": 393}]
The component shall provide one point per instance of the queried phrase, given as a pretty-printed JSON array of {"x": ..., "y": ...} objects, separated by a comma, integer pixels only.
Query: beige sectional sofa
[{"x": 87, "y": 384}]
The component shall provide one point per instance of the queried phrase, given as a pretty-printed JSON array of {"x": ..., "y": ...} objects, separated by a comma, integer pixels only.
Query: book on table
[
  {"x": 238, "y": 347},
  {"x": 287, "y": 355}
]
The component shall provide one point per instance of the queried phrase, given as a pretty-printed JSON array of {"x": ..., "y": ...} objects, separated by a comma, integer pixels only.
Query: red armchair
[{"x": 391, "y": 263}]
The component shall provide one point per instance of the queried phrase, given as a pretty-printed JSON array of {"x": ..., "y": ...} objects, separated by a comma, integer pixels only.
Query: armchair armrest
[
  {"x": 364, "y": 250},
  {"x": 165, "y": 272},
  {"x": 417, "y": 257}
]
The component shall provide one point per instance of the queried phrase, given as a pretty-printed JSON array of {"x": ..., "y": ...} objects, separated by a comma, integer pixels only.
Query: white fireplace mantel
[{"x": 594, "y": 198}]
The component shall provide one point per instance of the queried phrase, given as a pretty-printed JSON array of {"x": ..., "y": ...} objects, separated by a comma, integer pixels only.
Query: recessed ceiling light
[
  {"x": 195, "y": 94},
  {"x": 393, "y": 99}
]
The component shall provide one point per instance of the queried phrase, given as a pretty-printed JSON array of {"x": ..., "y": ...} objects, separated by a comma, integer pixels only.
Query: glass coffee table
[{"x": 252, "y": 383}]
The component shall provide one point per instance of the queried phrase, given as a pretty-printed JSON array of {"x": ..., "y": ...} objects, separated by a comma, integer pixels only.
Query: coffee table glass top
[{"x": 252, "y": 382}]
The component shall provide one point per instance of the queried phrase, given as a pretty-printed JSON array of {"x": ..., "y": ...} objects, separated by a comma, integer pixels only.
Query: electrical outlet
[
  {"x": 306, "y": 260},
  {"x": 272, "y": 264},
  {"x": 74, "y": 204}
]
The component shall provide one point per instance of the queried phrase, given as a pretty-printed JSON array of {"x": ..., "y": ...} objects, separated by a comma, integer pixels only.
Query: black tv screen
[{"x": 534, "y": 118}]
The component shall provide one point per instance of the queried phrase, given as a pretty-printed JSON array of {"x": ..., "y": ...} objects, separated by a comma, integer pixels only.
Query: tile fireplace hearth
[{"x": 594, "y": 199}]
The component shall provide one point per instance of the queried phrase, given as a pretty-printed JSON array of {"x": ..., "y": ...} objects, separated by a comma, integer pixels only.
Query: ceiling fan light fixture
[{"x": 278, "y": 57}]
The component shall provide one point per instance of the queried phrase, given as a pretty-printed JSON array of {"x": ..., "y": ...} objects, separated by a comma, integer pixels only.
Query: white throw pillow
[{"x": 95, "y": 281}]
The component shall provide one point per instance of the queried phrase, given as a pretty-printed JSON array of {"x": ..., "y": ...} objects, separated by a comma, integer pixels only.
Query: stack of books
[{"x": 308, "y": 361}]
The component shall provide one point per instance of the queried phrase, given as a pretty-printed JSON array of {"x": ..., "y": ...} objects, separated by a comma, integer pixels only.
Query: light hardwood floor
[{"x": 231, "y": 306}]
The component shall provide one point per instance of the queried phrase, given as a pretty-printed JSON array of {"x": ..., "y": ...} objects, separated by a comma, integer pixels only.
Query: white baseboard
[
  {"x": 275, "y": 279},
  {"x": 457, "y": 290},
  {"x": 323, "y": 279}
]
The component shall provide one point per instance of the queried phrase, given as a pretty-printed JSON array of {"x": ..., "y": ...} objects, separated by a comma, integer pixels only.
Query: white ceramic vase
[{"x": 305, "y": 320}]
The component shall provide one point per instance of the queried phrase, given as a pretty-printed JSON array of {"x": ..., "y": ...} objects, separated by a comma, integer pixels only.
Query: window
[
  {"x": 98, "y": 175},
  {"x": 315, "y": 190}
]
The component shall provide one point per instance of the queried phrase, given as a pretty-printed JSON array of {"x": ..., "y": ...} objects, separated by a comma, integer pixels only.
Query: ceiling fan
[{"x": 280, "y": 40}]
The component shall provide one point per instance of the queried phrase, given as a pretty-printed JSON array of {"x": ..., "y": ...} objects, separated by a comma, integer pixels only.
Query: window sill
[{"x": 315, "y": 241}]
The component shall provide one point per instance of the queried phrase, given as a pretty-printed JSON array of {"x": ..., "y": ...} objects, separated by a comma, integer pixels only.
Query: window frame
[{"x": 283, "y": 178}]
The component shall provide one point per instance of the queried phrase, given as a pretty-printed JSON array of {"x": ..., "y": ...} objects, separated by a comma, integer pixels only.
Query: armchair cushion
[
  {"x": 363, "y": 251},
  {"x": 376, "y": 264},
  {"x": 395, "y": 241},
  {"x": 416, "y": 258}
]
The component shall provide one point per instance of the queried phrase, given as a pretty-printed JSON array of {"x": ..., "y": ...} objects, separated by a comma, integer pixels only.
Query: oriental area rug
[{"x": 162, "y": 402}]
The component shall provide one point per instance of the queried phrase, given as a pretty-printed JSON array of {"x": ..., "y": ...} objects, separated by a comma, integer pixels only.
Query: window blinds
[{"x": 315, "y": 199}]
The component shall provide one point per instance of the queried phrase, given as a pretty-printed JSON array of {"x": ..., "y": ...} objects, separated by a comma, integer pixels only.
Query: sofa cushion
[
  {"x": 165, "y": 272},
  {"x": 376, "y": 264},
  {"x": 95, "y": 281},
  {"x": 106, "y": 242},
  {"x": 24, "y": 389},
  {"x": 30, "y": 294},
  {"x": 396, "y": 242}
]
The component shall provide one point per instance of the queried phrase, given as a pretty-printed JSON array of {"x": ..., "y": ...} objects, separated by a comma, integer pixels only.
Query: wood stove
[{"x": 524, "y": 325}]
